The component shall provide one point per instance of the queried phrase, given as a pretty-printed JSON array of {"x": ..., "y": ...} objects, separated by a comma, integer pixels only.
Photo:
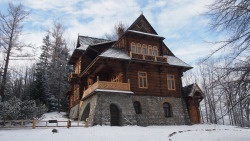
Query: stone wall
[
  {"x": 151, "y": 107},
  {"x": 74, "y": 111}
]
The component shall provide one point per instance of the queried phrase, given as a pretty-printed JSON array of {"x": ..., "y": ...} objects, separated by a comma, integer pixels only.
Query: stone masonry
[{"x": 97, "y": 109}]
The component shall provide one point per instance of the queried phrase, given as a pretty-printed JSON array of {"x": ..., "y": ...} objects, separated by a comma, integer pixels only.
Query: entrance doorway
[{"x": 114, "y": 115}]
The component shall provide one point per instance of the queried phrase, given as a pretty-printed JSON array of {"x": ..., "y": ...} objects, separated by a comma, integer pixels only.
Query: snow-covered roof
[
  {"x": 85, "y": 41},
  {"x": 145, "y": 33},
  {"x": 172, "y": 60},
  {"x": 115, "y": 53},
  {"x": 190, "y": 90}
]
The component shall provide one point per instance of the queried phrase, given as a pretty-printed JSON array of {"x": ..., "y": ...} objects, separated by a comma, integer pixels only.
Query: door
[
  {"x": 194, "y": 115},
  {"x": 114, "y": 115}
]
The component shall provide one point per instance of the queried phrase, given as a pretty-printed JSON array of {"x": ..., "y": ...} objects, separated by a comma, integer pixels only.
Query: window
[
  {"x": 144, "y": 49},
  {"x": 115, "y": 78},
  {"x": 137, "y": 107},
  {"x": 167, "y": 109},
  {"x": 142, "y": 76},
  {"x": 133, "y": 47},
  {"x": 171, "y": 83},
  {"x": 155, "y": 51},
  {"x": 139, "y": 48},
  {"x": 150, "y": 50}
]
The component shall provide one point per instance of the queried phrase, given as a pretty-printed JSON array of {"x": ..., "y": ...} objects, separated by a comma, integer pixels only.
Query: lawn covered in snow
[{"x": 202, "y": 132}]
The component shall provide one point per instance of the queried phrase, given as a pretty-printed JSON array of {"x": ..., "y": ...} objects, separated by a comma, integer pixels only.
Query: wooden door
[
  {"x": 194, "y": 115},
  {"x": 114, "y": 115}
]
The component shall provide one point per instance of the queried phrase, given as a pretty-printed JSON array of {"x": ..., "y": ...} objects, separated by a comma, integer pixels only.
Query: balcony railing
[
  {"x": 149, "y": 57},
  {"x": 72, "y": 76},
  {"x": 108, "y": 86}
]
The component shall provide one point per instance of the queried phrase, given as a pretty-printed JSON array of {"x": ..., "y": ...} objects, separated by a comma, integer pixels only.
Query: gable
[{"x": 141, "y": 24}]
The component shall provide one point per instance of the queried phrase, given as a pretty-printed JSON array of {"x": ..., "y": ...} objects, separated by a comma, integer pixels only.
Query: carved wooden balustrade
[
  {"x": 108, "y": 86},
  {"x": 72, "y": 76},
  {"x": 149, "y": 57}
]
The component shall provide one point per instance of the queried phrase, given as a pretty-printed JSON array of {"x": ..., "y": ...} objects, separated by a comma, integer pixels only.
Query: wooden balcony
[
  {"x": 149, "y": 57},
  {"x": 72, "y": 77},
  {"x": 108, "y": 86}
]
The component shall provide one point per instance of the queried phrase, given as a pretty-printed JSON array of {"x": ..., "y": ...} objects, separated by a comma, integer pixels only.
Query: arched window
[
  {"x": 167, "y": 109},
  {"x": 144, "y": 49},
  {"x": 137, "y": 107}
]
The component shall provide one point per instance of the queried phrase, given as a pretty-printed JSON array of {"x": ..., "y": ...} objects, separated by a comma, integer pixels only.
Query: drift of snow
[{"x": 202, "y": 132}]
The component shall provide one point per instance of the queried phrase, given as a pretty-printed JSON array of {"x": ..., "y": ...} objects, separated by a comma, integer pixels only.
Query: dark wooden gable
[{"x": 141, "y": 24}]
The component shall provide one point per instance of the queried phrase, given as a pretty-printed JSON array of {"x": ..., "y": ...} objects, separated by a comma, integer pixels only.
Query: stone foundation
[{"x": 97, "y": 109}]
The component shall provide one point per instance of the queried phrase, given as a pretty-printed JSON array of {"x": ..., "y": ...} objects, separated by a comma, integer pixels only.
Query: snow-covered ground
[{"x": 202, "y": 132}]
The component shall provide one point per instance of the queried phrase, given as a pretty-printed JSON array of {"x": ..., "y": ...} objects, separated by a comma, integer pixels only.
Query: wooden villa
[{"x": 135, "y": 80}]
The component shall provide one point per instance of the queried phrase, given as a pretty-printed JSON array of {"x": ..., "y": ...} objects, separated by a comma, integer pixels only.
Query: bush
[{"x": 15, "y": 109}]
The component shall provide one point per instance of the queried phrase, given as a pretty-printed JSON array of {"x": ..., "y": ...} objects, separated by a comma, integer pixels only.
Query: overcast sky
[{"x": 179, "y": 21}]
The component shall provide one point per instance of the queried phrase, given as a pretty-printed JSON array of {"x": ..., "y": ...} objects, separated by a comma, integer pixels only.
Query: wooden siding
[{"x": 156, "y": 78}]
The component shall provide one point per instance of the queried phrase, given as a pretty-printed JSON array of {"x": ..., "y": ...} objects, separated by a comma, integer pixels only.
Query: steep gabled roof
[
  {"x": 191, "y": 90},
  {"x": 141, "y": 24},
  {"x": 84, "y": 41}
]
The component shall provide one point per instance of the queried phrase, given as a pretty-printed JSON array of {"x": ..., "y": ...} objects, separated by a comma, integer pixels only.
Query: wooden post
[
  {"x": 68, "y": 124},
  {"x": 34, "y": 124},
  {"x": 46, "y": 123},
  {"x": 129, "y": 84},
  {"x": 9, "y": 123},
  {"x": 22, "y": 123},
  {"x": 97, "y": 78},
  {"x": 87, "y": 122}
]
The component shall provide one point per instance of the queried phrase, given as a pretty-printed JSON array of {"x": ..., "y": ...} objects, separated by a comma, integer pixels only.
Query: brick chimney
[{"x": 120, "y": 31}]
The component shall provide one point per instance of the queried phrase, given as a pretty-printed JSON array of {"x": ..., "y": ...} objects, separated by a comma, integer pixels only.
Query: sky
[{"x": 181, "y": 22}]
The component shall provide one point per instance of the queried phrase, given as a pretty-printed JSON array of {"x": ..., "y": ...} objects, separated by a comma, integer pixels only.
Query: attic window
[
  {"x": 144, "y": 49},
  {"x": 155, "y": 51},
  {"x": 139, "y": 48},
  {"x": 133, "y": 47},
  {"x": 150, "y": 50}
]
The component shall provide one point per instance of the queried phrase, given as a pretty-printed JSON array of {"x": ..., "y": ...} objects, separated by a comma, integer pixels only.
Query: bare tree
[
  {"x": 10, "y": 30},
  {"x": 118, "y": 30},
  {"x": 232, "y": 18}
]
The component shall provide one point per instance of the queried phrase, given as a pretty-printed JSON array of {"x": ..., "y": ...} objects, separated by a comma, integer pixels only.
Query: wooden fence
[{"x": 41, "y": 123}]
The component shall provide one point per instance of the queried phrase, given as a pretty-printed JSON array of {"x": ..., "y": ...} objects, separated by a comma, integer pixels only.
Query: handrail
[{"x": 107, "y": 85}]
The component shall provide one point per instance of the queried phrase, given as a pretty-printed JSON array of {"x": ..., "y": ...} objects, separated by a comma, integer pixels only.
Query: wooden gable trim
[{"x": 138, "y": 20}]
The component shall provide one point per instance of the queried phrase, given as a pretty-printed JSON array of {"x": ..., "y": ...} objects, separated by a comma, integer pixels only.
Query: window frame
[
  {"x": 155, "y": 48},
  {"x": 142, "y": 80},
  {"x": 144, "y": 46},
  {"x": 133, "y": 45},
  {"x": 138, "y": 46},
  {"x": 150, "y": 47},
  {"x": 167, "y": 109},
  {"x": 170, "y": 88}
]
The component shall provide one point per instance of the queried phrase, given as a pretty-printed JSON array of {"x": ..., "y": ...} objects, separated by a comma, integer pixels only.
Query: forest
[{"x": 223, "y": 75}]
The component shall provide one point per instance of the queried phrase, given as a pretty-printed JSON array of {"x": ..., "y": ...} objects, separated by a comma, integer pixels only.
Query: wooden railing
[
  {"x": 149, "y": 57},
  {"x": 72, "y": 76},
  {"x": 108, "y": 86},
  {"x": 41, "y": 123}
]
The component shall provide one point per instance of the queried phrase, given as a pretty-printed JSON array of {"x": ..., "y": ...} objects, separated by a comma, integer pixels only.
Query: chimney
[{"x": 120, "y": 31}]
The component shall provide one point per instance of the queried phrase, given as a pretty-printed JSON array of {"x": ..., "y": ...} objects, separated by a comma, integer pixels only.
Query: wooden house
[{"x": 135, "y": 80}]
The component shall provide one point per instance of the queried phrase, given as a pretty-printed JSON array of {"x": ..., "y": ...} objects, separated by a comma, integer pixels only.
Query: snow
[
  {"x": 115, "y": 53},
  {"x": 202, "y": 132},
  {"x": 145, "y": 33},
  {"x": 172, "y": 60}
]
